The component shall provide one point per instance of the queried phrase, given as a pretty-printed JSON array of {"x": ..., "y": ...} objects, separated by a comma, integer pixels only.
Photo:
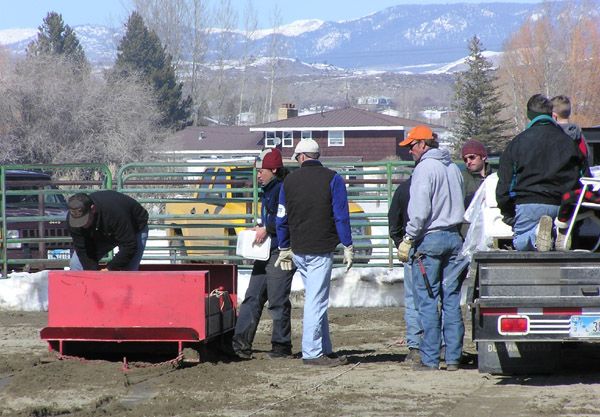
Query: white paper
[{"x": 247, "y": 250}]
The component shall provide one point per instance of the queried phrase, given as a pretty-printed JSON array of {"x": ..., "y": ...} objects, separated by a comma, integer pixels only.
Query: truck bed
[
  {"x": 526, "y": 304},
  {"x": 538, "y": 279}
]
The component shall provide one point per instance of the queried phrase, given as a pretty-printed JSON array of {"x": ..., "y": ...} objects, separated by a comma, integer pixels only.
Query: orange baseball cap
[{"x": 420, "y": 132}]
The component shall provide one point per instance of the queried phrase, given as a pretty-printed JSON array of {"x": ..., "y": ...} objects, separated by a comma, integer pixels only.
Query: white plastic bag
[{"x": 485, "y": 218}]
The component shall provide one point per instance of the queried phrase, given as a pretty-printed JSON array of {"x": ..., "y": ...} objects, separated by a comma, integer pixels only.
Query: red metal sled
[{"x": 161, "y": 304}]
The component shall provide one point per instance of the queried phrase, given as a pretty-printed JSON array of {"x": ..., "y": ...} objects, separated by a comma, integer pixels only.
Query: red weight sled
[{"x": 160, "y": 309}]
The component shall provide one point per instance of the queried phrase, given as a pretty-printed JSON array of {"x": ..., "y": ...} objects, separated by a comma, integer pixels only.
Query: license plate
[
  {"x": 585, "y": 326},
  {"x": 59, "y": 254}
]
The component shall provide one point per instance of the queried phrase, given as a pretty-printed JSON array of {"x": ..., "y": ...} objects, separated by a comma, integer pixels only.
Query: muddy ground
[{"x": 375, "y": 383}]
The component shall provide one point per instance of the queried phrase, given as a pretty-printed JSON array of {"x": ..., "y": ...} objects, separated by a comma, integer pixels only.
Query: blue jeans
[
  {"x": 133, "y": 265},
  {"x": 440, "y": 256},
  {"x": 414, "y": 330},
  {"x": 526, "y": 220},
  {"x": 316, "y": 276}
]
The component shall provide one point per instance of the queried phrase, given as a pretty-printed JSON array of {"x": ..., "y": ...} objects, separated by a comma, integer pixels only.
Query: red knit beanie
[
  {"x": 269, "y": 159},
  {"x": 473, "y": 147}
]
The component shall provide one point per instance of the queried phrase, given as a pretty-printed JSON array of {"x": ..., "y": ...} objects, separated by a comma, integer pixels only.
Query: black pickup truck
[
  {"x": 529, "y": 308},
  {"x": 51, "y": 206}
]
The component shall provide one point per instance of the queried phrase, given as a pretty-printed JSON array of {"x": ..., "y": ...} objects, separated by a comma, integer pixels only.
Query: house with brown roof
[
  {"x": 215, "y": 142},
  {"x": 349, "y": 133}
]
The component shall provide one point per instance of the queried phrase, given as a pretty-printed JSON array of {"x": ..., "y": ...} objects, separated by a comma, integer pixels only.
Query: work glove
[
  {"x": 404, "y": 248},
  {"x": 284, "y": 261},
  {"x": 348, "y": 256}
]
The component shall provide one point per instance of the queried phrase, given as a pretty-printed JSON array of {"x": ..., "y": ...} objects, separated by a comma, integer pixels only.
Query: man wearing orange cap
[{"x": 432, "y": 240}]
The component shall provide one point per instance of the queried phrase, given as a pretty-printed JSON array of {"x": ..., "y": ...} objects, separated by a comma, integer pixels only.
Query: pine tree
[
  {"x": 140, "y": 52},
  {"x": 477, "y": 102},
  {"x": 56, "y": 38}
]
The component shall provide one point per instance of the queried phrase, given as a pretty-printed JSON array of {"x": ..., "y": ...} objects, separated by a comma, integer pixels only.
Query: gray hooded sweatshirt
[
  {"x": 572, "y": 130},
  {"x": 436, "y": 195}
]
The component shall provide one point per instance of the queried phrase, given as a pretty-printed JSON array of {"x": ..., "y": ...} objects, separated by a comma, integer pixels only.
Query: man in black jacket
[
  {"x": 101, "y": 221},
  {"x": 397, "y": 219},
  {"x": 537, "y": 167}
]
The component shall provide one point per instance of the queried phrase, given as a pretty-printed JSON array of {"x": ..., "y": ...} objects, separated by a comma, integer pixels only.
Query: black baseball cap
[{"x": 80, "y": 206}]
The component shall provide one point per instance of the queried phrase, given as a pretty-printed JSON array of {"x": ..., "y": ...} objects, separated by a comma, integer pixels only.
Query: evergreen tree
[
  {"x": 477, "y": 102},
  {"x": 141, "y": 53},
  {"x": 56, "y": 38}
]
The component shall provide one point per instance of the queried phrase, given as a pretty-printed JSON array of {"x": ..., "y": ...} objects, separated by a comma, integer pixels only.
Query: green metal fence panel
[
  {"x": 197, "y": 208},
  {"x": 33, "y": 211}
]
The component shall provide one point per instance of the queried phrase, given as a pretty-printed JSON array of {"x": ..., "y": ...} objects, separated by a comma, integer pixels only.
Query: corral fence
[{"x": 196, "y": 209}]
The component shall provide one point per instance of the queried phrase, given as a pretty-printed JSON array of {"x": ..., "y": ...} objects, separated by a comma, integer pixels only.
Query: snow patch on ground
[{"x": 359, "y": 287}]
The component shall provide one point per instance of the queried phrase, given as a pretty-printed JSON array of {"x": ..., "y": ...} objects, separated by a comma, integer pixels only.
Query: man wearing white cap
[{"x": 312, "y": 219}]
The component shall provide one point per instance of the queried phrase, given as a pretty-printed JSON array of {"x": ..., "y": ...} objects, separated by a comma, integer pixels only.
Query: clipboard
[{"x": 246, "y": 249}]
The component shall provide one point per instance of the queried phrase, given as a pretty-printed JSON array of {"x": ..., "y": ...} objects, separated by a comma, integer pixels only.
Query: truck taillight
[{"x": 513, "y": 325}]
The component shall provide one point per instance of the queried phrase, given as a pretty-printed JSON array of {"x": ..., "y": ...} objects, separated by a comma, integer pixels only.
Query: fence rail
[{"x": 196, "y": 209}]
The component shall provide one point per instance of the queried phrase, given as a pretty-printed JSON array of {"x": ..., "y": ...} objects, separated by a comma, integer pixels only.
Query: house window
[
  {"x": 336, "y": 138},
  {"x": 306, "y": 134},
  {"x": 288, "y": 139},
  {"x": 271, "y": 139}
]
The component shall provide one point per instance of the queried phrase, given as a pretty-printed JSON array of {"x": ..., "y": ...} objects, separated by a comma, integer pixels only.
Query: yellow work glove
[
  {"x": 348, "y": 256},
  {"x": 404, "y": 248},
  {"x": 284, "y": 261}
]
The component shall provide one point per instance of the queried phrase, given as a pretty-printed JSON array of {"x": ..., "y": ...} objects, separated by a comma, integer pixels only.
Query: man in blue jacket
[
  {"x": 312, "y": 219},
  {"x": 267, "y": 282},
  {"x": 432, "y": 239}
]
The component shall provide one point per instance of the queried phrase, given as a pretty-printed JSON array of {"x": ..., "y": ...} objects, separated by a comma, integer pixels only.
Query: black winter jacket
[
  {"x": 398, "y": 212},
  {"x": 118, "y": 220},
  {"x": 538, "y": 166}
]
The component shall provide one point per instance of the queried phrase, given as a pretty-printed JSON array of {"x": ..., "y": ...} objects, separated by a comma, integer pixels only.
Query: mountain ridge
[{"x": 404, "y": 38}]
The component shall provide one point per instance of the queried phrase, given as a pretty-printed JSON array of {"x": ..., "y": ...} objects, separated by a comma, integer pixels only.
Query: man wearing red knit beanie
[{"x": 474, "y": 155}]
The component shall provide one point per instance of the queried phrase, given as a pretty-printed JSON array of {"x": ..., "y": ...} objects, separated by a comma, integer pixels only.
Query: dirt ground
[{"x": 375, "y": 383}]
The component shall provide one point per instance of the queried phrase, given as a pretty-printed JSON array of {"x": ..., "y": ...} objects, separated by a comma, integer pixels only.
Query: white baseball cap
[{"x": 305, "y": 146}]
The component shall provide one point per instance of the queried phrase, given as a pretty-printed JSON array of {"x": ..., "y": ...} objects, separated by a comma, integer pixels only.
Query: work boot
[
  {"x": 241, "y": 348},
  {"x": 414, "y": 356},
  {"x": 324, "y": 361},
  {"x": 562, "y": 243},
  {"x": 543, "y": 234},
  {"x": 452, "y": 367},
  {"x": 422, "y": 367},
  {"x": 280, "y": 352},
  {"x": 341, "y": 358},
  {"x": 243, "y": 354}
]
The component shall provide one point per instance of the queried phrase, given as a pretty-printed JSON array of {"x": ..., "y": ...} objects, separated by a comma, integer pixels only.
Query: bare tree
[
  {"x": 274, "y": 53},
  {"x": 250, "y": 26},
  {"x": 225, "y": 19},
  {"x": 51, "y": 116},
  {"x": 169, "y": 19},
  {"x": 555, "y": 53},
  {"x": 198, "y": 18}
]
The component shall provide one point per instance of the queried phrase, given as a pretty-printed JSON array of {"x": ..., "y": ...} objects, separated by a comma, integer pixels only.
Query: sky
[{"x": 113, "y": 13}]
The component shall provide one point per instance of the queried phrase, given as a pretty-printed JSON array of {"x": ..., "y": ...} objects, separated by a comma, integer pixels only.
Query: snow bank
[
  {"x": 22, "y": 291},
  {"x": 359, "y": 287}
]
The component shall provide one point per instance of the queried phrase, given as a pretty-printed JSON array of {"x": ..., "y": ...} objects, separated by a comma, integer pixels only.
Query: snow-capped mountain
[{"x": 405, "y": 38}]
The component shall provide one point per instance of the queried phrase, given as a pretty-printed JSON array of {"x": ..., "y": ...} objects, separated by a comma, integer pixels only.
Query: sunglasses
[
  {"x": 412, "y": 145},
  {"x": 470, "y": 157}
]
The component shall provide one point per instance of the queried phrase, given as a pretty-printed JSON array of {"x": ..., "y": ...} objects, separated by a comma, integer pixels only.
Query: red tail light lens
[{"x": 513, "y": 325}]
